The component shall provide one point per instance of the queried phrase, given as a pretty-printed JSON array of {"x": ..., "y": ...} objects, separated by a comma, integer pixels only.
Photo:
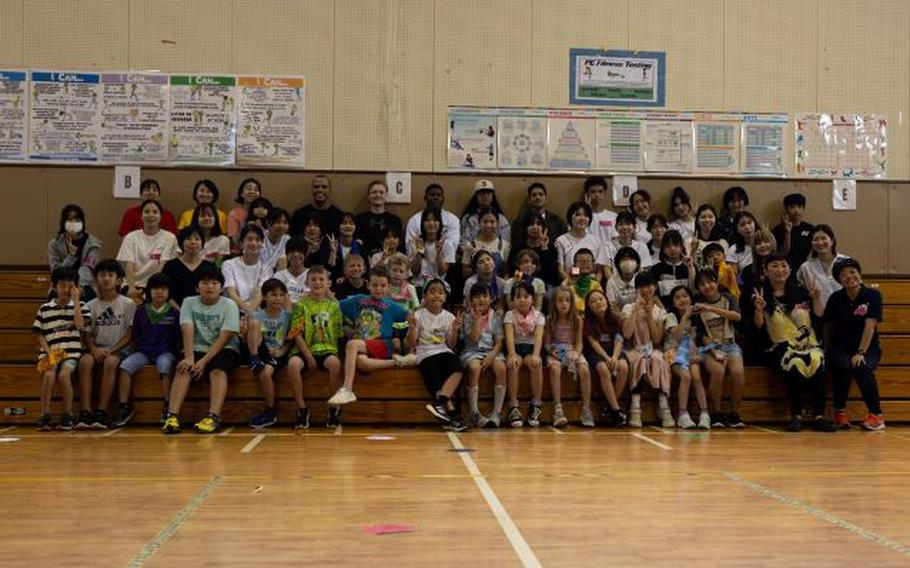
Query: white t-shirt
[
  {"x": 432, "y": 332},
  {"x": 148, "y": 252},
  {"x": 567, "y": 245},
  {"x": 739, "y": 260},
  {"x": 450, "y": 224},
  {"x": 641, "y": 248},
  {"x": 813, "y": 269},
  {"x": 110, "y": 320},
  {"x": 220, "y": 245},
  {"x": 686, "y": 229},
  {"x": 641, "y": 231},
  {"x": 603, "y": 226},
  {"x": 272, "y": 253},
  {"x": 296, "y": 284},
  {"x": 428, "y": 267},
  {"x": 245, "y": 278},
  {"x": 620, "y": 293},
  {"x": 520, "y": 338}
]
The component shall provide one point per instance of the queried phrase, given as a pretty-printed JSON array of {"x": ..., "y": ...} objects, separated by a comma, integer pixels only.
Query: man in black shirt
[
  {"x": 536, "y": 206},
  {"x": 322, "y": 208},
  {"x": 794, "y": 236},
  {"x": 373, "y": 225}
]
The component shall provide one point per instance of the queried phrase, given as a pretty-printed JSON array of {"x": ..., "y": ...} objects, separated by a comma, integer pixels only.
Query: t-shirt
[
  {"x": 563, "y": 334},
  {"x": 215, "y": 247},
  {"x": 641, "y": 231},
  {"x": 739, "y": 259},
  {"x": 274, "y": 328},
  {"x": 148, "y": 252},
  {"x": 813, "y": 269},
  {"x": 568, "y": 244},
  {"x": 669, "y": 276},
  {"x": 373, "y": 318},
  {"x": 715, "y": 328},
  {"x": 57, "y": 324},
  {"x": 329, "y": 218},
  {"x": 209, "y": 321},
  {"x": 372, "y": 227},
  {"x": 641, "y": 248},
  {"x": 346, "y": 289},
  {"x": 432, "y": 330},
  {"x": 496, "y": 288},
  {"x": 428, "y": 267},
  {"x": 245, "y": 278},
  {"x": 603, "y": 226},
  {"x": 605, "y": 334},
  {"x": 848, "y": 318},
  {"x": 110, "y": 320},
  {"x": 296, "y": 285},
  {"x": 183, "y": 280},
  {"x": 523, "y": 337},
  {"x": 800, "y": 241},
  {"x": 451, "y": 224},
  {"x": 153, "y": 339},
  {"x": 405, "y": 296},
  {"x": 186, "y": 218},
  {"x": 619, "y": 292},
  {"x": 320, "y": 321},
  {"x": 686, "y": 229},
  {"x": 272, "y": 253},
  {"x": 539, "y": 288},
  {"x": 132, "y": 221},
  {"x": 489, "y": 334}
]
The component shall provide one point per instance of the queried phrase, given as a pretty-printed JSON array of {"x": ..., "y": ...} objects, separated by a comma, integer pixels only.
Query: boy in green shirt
[{"x": 315, "y": 330}]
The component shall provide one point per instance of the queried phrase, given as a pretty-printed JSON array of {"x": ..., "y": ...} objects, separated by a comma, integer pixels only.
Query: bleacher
[{"x": 398, "y": 396}]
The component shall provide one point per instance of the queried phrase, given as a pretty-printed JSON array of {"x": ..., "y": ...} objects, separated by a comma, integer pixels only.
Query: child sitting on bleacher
[
  {"x": 527, "y": 264},
  {"x": 353, "y": 282},
  {"x": 268, "y": 348},
  {"x": 402, "y": 293},
  {"x": 295, "y": 275}
]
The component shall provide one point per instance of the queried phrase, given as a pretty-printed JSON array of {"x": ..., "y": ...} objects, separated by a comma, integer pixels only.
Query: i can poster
[
  {"x": 13, "y": 115},
  {"x": 203, "y": 119},
  {"x": 65, "y": 116},
  {"x": 134, "y": 117},
  {"x": 271, "y": 128}
]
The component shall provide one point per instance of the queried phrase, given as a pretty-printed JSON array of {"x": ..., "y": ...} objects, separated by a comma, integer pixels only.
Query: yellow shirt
[{"x": 187, "y": 216}]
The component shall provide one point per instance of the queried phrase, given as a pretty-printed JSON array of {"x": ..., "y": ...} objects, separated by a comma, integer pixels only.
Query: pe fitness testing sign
[{"x": 607, "y": 78}]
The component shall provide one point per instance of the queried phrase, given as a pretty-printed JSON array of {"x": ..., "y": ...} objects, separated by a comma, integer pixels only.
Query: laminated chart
[
  {"x": 65, "y": 116},
  {"x": 203, "y": 119},
  {"x": 619, "y": 142},
  {"x": 716, "y": 145},
  {"x": 841, "y": 145},
  {"x": 763, "y": 144},
  {"x": 571, "y": 143},
  {"x": 13, "y": 114},
  {"x": 472, "y": 138},
  {"x": 668, "y": 145},
  {"x": 522, "y": 141},
  {"x": 271, "y": 128},
  {"x": 134, "y": 117}
]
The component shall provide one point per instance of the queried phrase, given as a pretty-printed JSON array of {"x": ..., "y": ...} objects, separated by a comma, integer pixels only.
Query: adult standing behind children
[
  {"x": 434, "y": 197},
  {"x": 74, "y": 247},
  {"x": 183, "y": 271},
  {"x": 132, "y": 220},
  {"x": 145, "y": 251},
  {"x": 205, "y": 192},
  {"x": 321, "y": 207},
  {"x": 484, "y": 198},
  {"x": 535, "y": 206},
  {"x": 374, "y": 224},
  {"x": 249, "y": 190},
  {"x": 603, "y": 222}
]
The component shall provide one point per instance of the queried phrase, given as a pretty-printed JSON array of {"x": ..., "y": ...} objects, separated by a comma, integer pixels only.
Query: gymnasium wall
[{"x": 381, "y": 74}]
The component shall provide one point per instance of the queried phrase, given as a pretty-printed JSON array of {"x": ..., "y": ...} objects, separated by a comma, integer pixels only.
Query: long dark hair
[
  {"x": 473, "y": 205},
  {"x": 435, "y": 212},
  {"x": 65, "y": 212},
  {"x": 716, "y": 232},
  {"x": 738, "y": 240},
  {"x": 215, "y": 231}
]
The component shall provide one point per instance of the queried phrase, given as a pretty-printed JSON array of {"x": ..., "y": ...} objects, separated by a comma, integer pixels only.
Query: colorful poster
[
  {"x": 717, "y": 147},
  {"x": 472, "y": 138},
  {"x": 634, "y": 78},
  {"x": 270, "y": 128},
  {"x": 523, "y": 141},
  {"x": 65, "y": 116},
  {"x": 619, "y": 143},
  {"x": 841, "y": 145},
  {"x": 668, "y": 146},
  {"x": 571, "y": 143},
  {"x": 13, "y": 116},
  {"x": 134, "y": 115},
  {"x": 203, "y": 119},
  {"x": 763, "y": 146}
]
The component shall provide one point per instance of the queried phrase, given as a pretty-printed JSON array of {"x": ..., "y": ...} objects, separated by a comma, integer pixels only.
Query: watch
[{"x": 860, "y": 351}]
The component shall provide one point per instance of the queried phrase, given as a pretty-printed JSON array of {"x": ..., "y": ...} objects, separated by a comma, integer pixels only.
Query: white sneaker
[
  {"x": 587, "y": 418},
  {"x": 666, "y": 418},
  {"x": 478, "y": 420},
  {"x": 409, "y": 360},
  {"x": 635, "y": 418},
  {"x": 684, "y": 421},
  {"x": 559, "y": 417},
  {"x": 494, "y": 419},
  {"x": 704, "y": 420},
  {"x": 343, "y": 395}
]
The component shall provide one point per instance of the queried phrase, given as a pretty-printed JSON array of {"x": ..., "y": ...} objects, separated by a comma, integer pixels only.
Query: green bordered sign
[{"x": 610, "y": 78}]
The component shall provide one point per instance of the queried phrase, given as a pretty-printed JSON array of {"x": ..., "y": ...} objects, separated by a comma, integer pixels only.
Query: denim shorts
[
  {"x": 728, "y": 348},
  {"x": 164, "y": 363}
]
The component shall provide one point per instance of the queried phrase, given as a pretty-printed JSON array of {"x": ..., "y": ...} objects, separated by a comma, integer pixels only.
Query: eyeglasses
[{"x": 320, "y": 187}]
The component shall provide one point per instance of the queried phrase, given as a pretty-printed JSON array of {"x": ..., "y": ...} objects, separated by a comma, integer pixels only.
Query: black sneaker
[
  {"x": 124, "y": 415},
  {"x": 86, "y": 419},
  {"x": 99, "y": 420},
  {"x": 66, "y": 423},
  {"x": 164, "y": 413},
  {"x": 439, "y": 411},
  {"x": 720, "y": 420},
  {"x": 515, "y": 418},
  {"x": 734, "y": 421},
  {"x": 333, "y": 420},
  {"x": 822, "y": 424},
  {"x": 614, "y": 418},
  {"x": 795, "y": 424},
  {"x": 456, "y": 424},
  {"x": 44, "y": 423},
  {"x": 533, "y": 415},
  {"x": 303, "y": 419}
]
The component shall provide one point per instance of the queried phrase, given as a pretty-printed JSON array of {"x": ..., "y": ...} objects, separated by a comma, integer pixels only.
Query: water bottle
[{"x": 14, "y": 411}]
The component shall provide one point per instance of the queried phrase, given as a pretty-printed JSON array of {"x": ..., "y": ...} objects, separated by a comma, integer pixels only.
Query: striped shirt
[{"x": 56, "y": 324}]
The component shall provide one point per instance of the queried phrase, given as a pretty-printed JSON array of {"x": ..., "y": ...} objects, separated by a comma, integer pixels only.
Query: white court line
[
  {"x": 650, "y": 441},
  {"x": 7, "y": 429},
  {"x": 763, "y": 429},
  {"x": 251, "y": 445},
  {"x": 522, "y": 549},
  {"x": 226, "y": 431},
  {"x": 555, "y": 429},
  {"x": 659, "y": 429},
  {"x": 109, "y": 433},
  {"x": 889, "y": 434}
]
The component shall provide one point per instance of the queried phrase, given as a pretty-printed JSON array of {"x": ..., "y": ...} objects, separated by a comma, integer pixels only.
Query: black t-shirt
[
  {"x": 329, "y": 218},
  {"x": 372, "y": 227},
  {"x": 183, "y": 280},
  {"x": 848, "y": 317},
  {"x": 800, "y": 242},
  {"x": 346, "y": 289},
  {"x": 668, "y": 277}
]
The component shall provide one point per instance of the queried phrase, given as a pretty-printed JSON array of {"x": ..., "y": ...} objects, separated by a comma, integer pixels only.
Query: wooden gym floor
[{"x": 756, "y": 497}]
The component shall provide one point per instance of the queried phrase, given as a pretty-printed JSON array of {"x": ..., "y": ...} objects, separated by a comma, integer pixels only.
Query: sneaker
[
  {"x": 493, "y": 420},
  {"x": 455, "y": 424},
  {"x": 99, "y": 420},
  {"x": 734, "y": 421},
  {"x": 822, "y": 424},
  {"x": 303, "y": 419},
  {"x": 342, "y": 396},
  {"x": 587, "y": 418},
  {"x": 256, "y": 365},
  {"x": 171, "y": 424},
  {"x": 559, "y": 417},
  {"x": 684, "y": 422},
  {"x": 333, "y": 420},
  {"x": 44, "y": 423},
  {"x": 409, "y": 360},
  {"x": 439, "y": 411},
  {"x": 666, "y": 418},
  {"x": 874, "y": 422},
  {"x": 719, "y": 421},
  {"x": 704, "y": 420},
  {"x": 86, "y": 419},
  {"x": 533, "y": 415},
  {"x": 66, "y": 423},
  {"x": 209, "y": 424},
  {"x": 164, "y": 413},
  {"x": 478, "y": 420},
  {"x": 635, "y": 418},
  {"x": 795, "y": 424},
  {"x": 124, "y": 415},
  {"x": 268, "y": 417},
  {"x": 841, "y": 420},
  {"x": 515, "y": 418}
]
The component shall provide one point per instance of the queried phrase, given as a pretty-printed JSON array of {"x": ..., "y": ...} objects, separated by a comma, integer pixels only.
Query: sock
[
  {"x": 535, "y": 402},
  {"x": 704, "y": 412},
  {"x": 683, "y": 412},
  {"x": 662, "y": 402},
  {"x": 473, "y": 394},
  {"x": 636, "y": 402},
  {"x": 499, "y": 395},
  {"x": 443, "y": 400}
]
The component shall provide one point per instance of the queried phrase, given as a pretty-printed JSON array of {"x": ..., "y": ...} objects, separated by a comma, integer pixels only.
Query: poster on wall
[
  {"x": 65, "y": 116},
  {"x": 763, "y": 145},
  {"x": 270, "y": 126},
  {"x": 571, "y": 142},
  {"x": 619, "y": 142},
  {"x": 717, "y": 145},
  {"x": 632, "y": 78},
  {"x": 472, "y": 138},
  {"x": 841, "y": 145},
  {"x": 522, "y": 140},
  {"x": 134, "y": 117},
  {"x": 13, "y": 114},
  {"x": 203, "y": 119},
  {"x": 668, "y": 146}
]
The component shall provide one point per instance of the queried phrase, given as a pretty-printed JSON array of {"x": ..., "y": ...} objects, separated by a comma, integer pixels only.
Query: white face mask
[
  {"x": 73, "y": 227},
  {"x": 627, "y": 266}
]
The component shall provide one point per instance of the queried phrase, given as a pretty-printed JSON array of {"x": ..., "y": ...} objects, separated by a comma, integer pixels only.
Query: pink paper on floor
[{"x": 389, "y": 528}]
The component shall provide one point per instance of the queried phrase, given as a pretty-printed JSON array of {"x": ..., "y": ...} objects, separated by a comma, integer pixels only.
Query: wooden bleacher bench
[{"x": 398, "y": 396}]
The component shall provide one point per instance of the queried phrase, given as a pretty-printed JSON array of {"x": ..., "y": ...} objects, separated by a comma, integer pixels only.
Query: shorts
[
  {"x": 164, "y": 363},
  {"x": 683, "y": 355},
  {"x": 378, "y": 348},
  {"x": 436, "y": 370},
  {"x": 400, "y": 333},
  {"x": 524, "y": 349},
  {"x": 471, "y": 355},
  {"x": 264, "y": 355},
  {"x": 320, "y": 361},
  {"x": 729, "y": 348},
  {"x": 225, "y": 360}
]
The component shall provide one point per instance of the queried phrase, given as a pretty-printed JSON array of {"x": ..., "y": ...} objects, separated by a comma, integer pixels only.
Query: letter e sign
[{"x": 844, "y": 195}]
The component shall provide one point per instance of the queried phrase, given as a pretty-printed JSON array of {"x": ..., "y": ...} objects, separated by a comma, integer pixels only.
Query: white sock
[
  {"x": 636, "y": 402},
  {"x": 499, "y": 395},
  {"x": 473, "y": 395},
  {"x": 662, "y": 402}
]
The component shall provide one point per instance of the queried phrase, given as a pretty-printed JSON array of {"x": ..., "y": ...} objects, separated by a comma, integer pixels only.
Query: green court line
[{"x": 175, "y": 523}]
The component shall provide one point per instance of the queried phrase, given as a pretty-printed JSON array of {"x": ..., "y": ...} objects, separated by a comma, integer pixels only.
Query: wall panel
[
  {"x": 178, "y": 36},
  {"x": 11, "y": 32},
  {"x": 76, "y": 34}
]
